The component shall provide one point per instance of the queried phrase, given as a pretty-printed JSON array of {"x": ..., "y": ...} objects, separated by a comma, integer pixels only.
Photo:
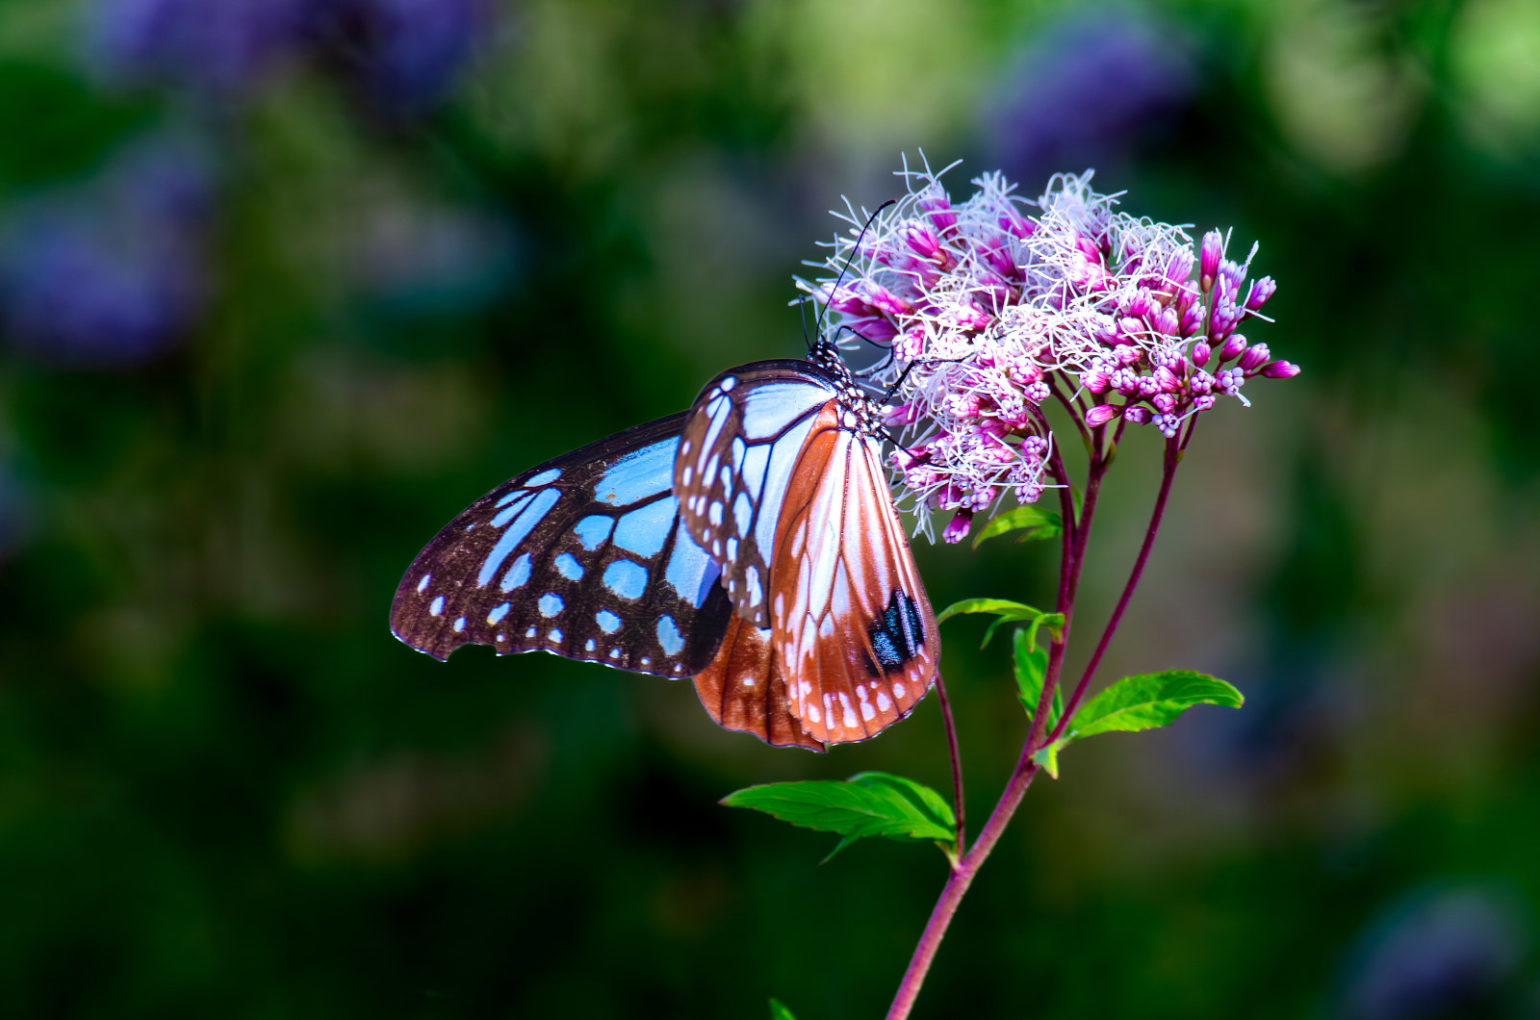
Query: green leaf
[
  {"x": 867, "y": 804},
  {"x": 1149, "y": 700},
  {"x": 1048, "y": 758},
  {"x": 1031, "y": 665},
  {"x": 778, "y": 1011},
  {"x": 1029, "y": 519},
  {"x": 1006, "y": 610}
]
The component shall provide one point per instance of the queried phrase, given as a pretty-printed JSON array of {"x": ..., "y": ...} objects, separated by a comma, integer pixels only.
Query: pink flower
[{"x": 994, "y": 305}]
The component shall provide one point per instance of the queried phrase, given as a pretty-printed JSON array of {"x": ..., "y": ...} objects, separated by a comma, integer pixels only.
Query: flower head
[{"x": 993, "y": 306}]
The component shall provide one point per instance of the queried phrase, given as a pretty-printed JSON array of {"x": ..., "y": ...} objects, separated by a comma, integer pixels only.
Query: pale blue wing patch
[
  {"x": 736, "y": 458},
  {"x": 581, "y": 557}
]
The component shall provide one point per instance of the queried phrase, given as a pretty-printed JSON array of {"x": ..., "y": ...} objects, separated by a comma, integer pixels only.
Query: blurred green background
[{"x": 285, "y": 284}]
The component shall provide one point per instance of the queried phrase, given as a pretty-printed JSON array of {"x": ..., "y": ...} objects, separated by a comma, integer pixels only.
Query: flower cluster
[{"x": 993, "y": 307}]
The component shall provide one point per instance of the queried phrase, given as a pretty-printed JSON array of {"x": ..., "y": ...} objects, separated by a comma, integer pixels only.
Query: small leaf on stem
[
  {"x": 1031, "y": 666},
  {"x": 1032, "y": 522},
  {"x": 1149, "y": 700},
  {"x": 867, "y": 804},
  {"x": 1007, "y": 611},
  {"x": 1048, "y": 758}
]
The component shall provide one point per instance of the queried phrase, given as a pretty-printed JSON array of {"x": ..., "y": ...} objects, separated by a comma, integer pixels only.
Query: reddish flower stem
[
  {"x": 968, "y": 863},
  {"x": 1172, "y": 458},
  {"x": 957, "y": 777},
  {"x": 1076, "y": 535}
]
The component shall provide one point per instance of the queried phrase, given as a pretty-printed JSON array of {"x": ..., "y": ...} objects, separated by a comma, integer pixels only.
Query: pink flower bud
[
  {"x": 1129, "y": 355},
  {"x": 940, "y": 209},
  {"x": 1281, "y": 370},
  {"x": 1167, "y": 380},
  {"x": 884, "y": 300},
  {"x": 1213, "y": 247},
  {"x": 1137, "y": 415},
  {"x": 1164, "y": 402},
  {"x": 1255, "y": 357},
  {"x": 1232, "y": 348},
  {"x": 1260, "y": 291},
  {"x": 923, "y": 241},
  {"x": 907, "y": 459},
  {"x": 1201, "y": 353},
  {"x": 1192, "y": 318},
  {"x": 896, "y": 415},
  {"x": 1013, "y": 222},
  {"x": 1101, "y": 414},
  {"x": 1096, "y": 380},
  {"x": 875, "y": 331},
  {"x": 957, "y": 528}
]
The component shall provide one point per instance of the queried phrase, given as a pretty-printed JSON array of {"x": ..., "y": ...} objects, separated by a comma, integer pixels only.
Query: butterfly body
[{"x": 749, "y": 543}]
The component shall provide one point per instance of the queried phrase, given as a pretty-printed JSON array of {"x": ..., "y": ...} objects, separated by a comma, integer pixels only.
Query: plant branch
[
  {"x": 957, "y": 776},
  {"x": 1173, "y": 457},
  {"x": 967, "y": 865},
  {"x": 956, "y": 885}
]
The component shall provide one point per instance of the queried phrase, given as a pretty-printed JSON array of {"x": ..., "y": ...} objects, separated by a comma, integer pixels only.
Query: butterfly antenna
[
  {"x": 848, "y": 260},
  {"x": 915, "y": 364}
]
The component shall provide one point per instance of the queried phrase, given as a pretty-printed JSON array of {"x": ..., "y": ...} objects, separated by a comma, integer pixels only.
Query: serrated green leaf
[
  {"x": 1029, "y": 519},
  {"x": 867, "y": 804},
  {"x": 1007, "y": 611},
  {"x": 1031, "y": 667},
  {"x": 778, "y": 1011},
  {"x": 1149, "y": 700}
]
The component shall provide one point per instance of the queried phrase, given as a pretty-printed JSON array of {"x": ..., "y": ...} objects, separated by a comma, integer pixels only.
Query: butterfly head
[{"x": 865, "y": 413}]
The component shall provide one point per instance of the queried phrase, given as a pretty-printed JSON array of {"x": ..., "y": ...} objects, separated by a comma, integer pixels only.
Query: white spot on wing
[
  {"x": 423, "y": 584},
  {"x": 437, "y": 607}
]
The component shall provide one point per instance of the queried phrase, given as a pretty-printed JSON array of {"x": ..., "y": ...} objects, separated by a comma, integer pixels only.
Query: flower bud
[
  {"x": 907, "y": 459},
  {"x": 1255, "y": 357},
  {"x": 957, "y": 528},
  {"x": 1013, "y": 222},
  {"x": 1137, "y": 415},
  {"x": 1260, "y": 291},
  {"x": 1281, "y": 370},
  {"x": 1101, "y": 414},
  {"x": 1213, "y": 247},
  {"x": 1201, "y": 353},
  {"x": 1232, "y": 348}
]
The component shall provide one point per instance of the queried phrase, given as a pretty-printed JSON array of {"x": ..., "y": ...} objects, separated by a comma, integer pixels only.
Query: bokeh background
[{"x": 284, "y": 284}]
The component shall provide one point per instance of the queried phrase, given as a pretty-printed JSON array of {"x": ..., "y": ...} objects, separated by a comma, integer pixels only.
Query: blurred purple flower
[
  {"x": 216, "y": 49},
  {"x": 109, "y": 271},
  {"x": 1088, "y": 89},
  {"x": 401, "y": 55},
  {"x": 1448, "y": 953}
]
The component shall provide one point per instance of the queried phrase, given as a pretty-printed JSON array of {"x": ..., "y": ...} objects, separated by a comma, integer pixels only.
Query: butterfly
[{"x": 749, "y": 543}]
